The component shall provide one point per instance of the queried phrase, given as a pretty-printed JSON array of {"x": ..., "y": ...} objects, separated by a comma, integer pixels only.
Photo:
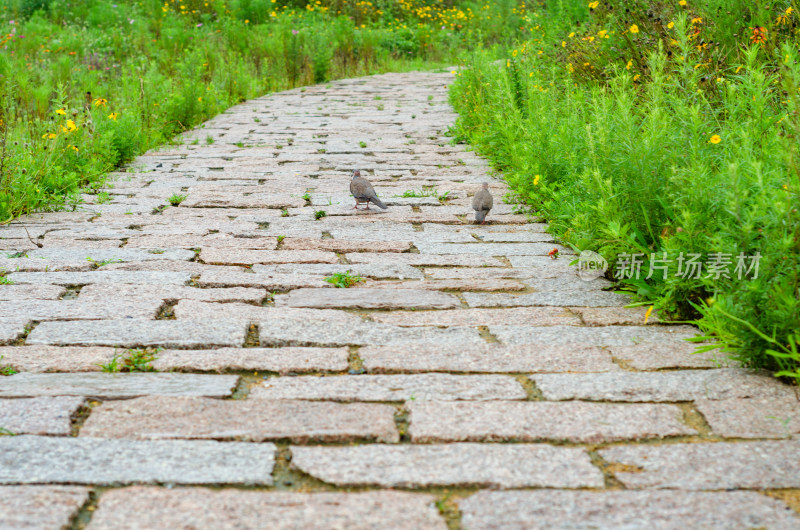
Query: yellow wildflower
[
  {"x": 682, "y": 3},
  {"x": 647, "y": 315},
  {"x": 630, "y": 63},
  {"x": 536, "y": 180},
  {"x": 697, "y": 20},
  {"x": 738, "y": 68},
  {"x": 593, "y": 5},
  {"x": 634, "y": 29},
  {"x": 100, "y": 102},
  {"x": 62, "y": 112},
  {"x": 113, "y": 116},
  {"x": 636, "y": 77},
  {"x": 514, "y": 53},
  {"x": 49, "y": 135},
  {"x": 602, "y": 33},
  {"x": 571, "y": 35},
  {"x": 671, "y": 25},
  {"x": 715, "y": 139}
]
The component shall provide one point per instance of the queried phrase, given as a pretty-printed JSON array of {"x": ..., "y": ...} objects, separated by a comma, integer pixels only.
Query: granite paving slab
[
  {"x": 292, "y": 332},
  {"x": 116, "y": 386},
  {"x": 548, "y": 298},
  {"x": 252, "y": 420},
  {"x": 378, "y": 272},
  {"x": 486, "y": 358},
  {"x": 501, "y": 421},
  {"x": 40, "y": 507},
  {"x": 43, "y": 460},
  {"x": 140, "y": 333},
  {"x": 595, "y": 336},
  {"x": 529, "y": 316},
  {"x": 767, "y": 417},
  {"x": 249, "y": 257},
  {"x": 668, "y": 510},
  {"x": 408, "y": 466},
  {"x": 280, "y": 360},
  {"x": 370, "y": 298},
  {"x": 416, "y": 387},
  {"x": 56, "y": 359},
  {"x": 43, "y": 265},
  {"x": 166, "y": 509},
  {"x": 100, "y": 292},
  {"x": 684, "y": 385},
  {"x": 12, "y": 329},
  {"x": 42, "y": 415},
  {"x": 268, "y": 281},
  {"x": 105, "y": 276},
  {"x": 661, "y": 355},
  {"x": 109, "y": 308},
  {"x": 708, "y": 466},
  {"x": 31, "y": 292}
]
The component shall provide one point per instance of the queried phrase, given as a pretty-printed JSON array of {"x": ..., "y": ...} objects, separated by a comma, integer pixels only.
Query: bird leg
[{"x": 356, "y": 206}]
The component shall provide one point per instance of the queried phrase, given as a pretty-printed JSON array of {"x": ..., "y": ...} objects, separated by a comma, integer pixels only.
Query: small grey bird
[
  {"x": 363, "y": 191},
  {"x": 482, "y": 202}
]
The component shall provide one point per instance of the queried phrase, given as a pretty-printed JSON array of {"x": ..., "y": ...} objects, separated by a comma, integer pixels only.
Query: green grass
[
  {"x": 344, "y": 280},
  {"x": 319, "y": 214},
  {"x": 87, "y": 86},
  {"x": 5, "y": 369},
  {"x": 663, "y": 157},
  {"x": 175, "y": 199},
  {"x": 132, "y": 360}
]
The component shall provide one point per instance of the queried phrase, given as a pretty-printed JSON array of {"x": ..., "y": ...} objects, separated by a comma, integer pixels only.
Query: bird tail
[
  {"x": 379, "y": 204},
  {"x": 480, "y": 215}
]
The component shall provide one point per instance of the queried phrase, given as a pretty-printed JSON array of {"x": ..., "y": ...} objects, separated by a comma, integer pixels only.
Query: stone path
[{"x": 469, "y": 382}]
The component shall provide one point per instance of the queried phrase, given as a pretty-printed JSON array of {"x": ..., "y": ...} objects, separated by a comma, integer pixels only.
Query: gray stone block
[
  {"x": 167, "y": 509},
  {"x": 667, "y": 510},
  {"x": 685, "y": 385},
  {"x": 42, "y": 415},
  {"x": 37, "y": 460},
  {"x": 40, "y": 507},
  {"x": 442, "y": 387},
  {"x": 410, "y": 466},
  {"x": 115, "y": 386},
  {"x": 708, "y": 466},
  {"x": 527, "y": 421},
  {"x": 252, "y": 420},
  {"x": 138, "y": 333}
]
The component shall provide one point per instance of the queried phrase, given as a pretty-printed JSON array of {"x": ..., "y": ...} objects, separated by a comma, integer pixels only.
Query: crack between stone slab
[
  {"x": 607, "y": 469},
  {"x": 20, "y": 341},
  {"x": 81, "y": 518}
]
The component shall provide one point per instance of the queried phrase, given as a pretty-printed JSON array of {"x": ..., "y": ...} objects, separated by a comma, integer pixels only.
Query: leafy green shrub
[{"x": 645, "y": 162}]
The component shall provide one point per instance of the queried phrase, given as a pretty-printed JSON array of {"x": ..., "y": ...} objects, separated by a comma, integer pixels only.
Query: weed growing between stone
[
  {"x": 654, "y": 131},
  {"x": 344, "y": 279},
  {"x": 133, "y": 360}
]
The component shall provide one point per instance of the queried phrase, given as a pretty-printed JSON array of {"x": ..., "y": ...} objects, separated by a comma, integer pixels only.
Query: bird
[
  {"x": 482, "y": 202},
  {"x": 363, "y": 191}
]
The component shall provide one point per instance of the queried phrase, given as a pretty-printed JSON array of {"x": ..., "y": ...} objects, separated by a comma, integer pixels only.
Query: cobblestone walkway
[{"x": 469, "y": 382}]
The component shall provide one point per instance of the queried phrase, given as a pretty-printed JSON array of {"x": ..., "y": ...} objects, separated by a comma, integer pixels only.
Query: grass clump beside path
[
  {"x": 663, "y": 135},
  {"x": 87, "y": 85}
]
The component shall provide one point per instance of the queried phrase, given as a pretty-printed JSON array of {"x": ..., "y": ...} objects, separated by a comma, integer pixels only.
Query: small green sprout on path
[
  {"x": 5, "y": 280},
  {"x": 284, "y": 213},
  {"x": 209, "y": 140},
  {"x": 6, "y": 370},
  {"x": 344, "y": 280},
  {"x": 281, "y": 238},
  {"x": 6, "y": 432},
  {"x": 319, "y": 214},
  {"x": 103, "y": 197},
  {"x": 131, "y": 361},
  {"x": 175, "y": 199},
  {"x": 102, "y": 262},
  {"x": 362, "y": 144}
]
